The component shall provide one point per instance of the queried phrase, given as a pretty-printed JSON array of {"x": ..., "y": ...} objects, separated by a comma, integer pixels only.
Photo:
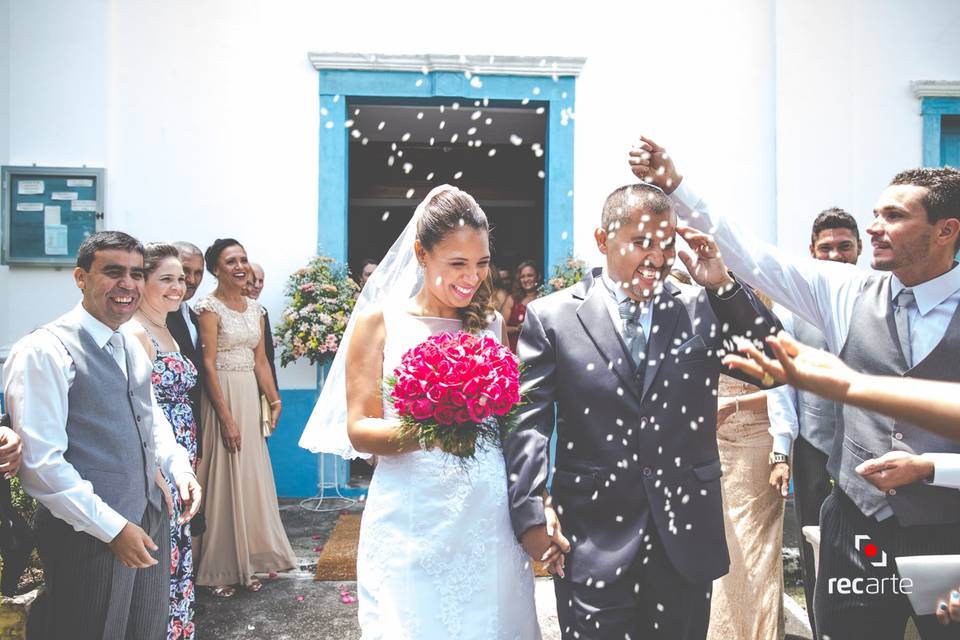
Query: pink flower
[{"x": 421, "y": 409}]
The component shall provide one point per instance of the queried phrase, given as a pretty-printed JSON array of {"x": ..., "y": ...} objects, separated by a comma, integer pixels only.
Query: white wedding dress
[{"x": 437, "y": 558}]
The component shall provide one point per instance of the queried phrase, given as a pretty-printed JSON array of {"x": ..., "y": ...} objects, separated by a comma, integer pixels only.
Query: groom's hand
[
  {"x": 651, "y": 163},
  {"x": 705, "y": 265},
  {"x": 132, "y": 546},
  {"x": 546, "y": 543}
]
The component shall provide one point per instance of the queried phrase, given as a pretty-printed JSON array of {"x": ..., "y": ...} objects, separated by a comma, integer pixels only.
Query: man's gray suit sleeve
[{"x": 528, "y": 447}]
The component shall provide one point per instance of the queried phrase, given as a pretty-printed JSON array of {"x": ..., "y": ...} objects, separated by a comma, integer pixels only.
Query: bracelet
[{"x": 275, "y": 403}]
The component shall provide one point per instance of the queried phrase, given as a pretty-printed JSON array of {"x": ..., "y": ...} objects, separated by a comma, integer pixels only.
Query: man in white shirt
[
  {"x": 805, "y": 422},
  {"x": 905, "y": 322},
  {"x": 79, "y": 394}
]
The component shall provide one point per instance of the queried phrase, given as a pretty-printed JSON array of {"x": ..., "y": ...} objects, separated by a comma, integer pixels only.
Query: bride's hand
[{"x": 553, "y": 557}]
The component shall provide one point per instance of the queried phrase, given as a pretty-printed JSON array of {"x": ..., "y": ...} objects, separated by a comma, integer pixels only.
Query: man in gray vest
[
  {"x": 905, "y": 322},
  {"x": 80, "y": 396},
  {"x": 805, "y": 421}
]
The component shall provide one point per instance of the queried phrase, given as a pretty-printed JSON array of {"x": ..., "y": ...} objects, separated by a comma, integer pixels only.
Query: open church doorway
[{"x": 399, "y": 149}]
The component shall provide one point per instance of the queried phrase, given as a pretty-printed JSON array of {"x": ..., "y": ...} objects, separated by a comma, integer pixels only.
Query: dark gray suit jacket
[
  {"x": 178, "y": 329},
  {"x": 629, "y": 459}
]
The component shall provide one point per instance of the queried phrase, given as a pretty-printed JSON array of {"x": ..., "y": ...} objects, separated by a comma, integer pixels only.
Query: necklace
[{"x": 154, "y": 322}]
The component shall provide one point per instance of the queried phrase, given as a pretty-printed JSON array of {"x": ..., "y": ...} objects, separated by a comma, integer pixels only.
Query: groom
[{"x": 626, "y": 365}]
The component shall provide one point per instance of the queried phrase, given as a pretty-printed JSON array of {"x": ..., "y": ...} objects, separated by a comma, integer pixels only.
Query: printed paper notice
[
  {"x": 30, "y": 187},
  {"x": 51, "y": 216},
  {"x": 83, "y": 205},
  {"x": 30, "y": 206},
  {"x": 55, "y": 239},
  {"x": 63, "y": 195},
  {"x": 79, "y": 182}
]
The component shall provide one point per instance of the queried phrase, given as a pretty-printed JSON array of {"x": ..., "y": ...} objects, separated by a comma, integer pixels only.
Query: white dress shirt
[
  {"x": 823, "y": 293},
  {"x": 37, "y": 379},
  {"x": 616, "y": 295},
  {"x": 185, "y": 312},
  {"x": 782, "y": 401}
]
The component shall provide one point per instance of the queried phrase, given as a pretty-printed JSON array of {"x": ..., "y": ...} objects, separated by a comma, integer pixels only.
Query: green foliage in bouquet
[
  {"x": 322, "y": 296},
  {"x": 566, "y": 274}
]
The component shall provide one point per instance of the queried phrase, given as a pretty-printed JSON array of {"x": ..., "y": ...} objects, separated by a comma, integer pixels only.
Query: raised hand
[
  {"x": 651, "y": 163},
  {"x": 705, "y": 265}
]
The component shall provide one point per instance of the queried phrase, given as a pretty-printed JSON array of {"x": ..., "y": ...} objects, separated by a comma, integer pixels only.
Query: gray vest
[
  {"x": 873, "y": 347},
  {"x": 818, "y": 416},
  {"x": 110, "y": 425}
]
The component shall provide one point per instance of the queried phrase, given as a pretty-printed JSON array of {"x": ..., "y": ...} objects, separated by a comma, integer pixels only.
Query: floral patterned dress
[{"x": 173, "y": 376}]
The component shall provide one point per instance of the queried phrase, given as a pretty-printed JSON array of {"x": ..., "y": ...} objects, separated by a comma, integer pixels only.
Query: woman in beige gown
[
  {"x": 244, "y": 534},
  {"x": 748, "y": 601}
]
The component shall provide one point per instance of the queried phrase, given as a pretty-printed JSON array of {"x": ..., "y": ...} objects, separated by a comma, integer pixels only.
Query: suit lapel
[
  {"x": 596, "y": 321},
  {"x": 666, "y": 312}
]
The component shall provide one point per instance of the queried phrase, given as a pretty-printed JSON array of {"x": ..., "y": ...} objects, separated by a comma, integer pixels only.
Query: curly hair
[{"x": 446, "y": 212}]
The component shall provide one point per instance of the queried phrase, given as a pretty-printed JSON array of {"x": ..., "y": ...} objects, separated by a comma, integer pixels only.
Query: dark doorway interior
[{"x": 399, "y": 150}]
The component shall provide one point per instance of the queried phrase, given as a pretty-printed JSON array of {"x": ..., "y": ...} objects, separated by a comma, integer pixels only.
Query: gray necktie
[
  {"x": 115, "y": 347},
  {"x": 636, "y": 342},
  {"x": 904, "y": 301}
]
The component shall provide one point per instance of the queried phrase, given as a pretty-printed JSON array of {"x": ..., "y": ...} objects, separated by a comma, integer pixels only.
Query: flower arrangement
[
  {"x": 322, "y": 295},
  {"x": 566, "y": 274},
  {"x": 456, "y": 391}
]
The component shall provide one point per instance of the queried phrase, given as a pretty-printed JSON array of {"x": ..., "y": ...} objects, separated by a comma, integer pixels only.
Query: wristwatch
[{"x": 777, "y": 458}]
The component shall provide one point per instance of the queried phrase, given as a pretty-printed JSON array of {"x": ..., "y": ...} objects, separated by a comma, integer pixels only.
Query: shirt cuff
[
  {"x": 685, "y": 196},
  {"x": 110, "y": 527},
  {"x": 782, "y": 443},
  {"x": 946, "y": 469}
]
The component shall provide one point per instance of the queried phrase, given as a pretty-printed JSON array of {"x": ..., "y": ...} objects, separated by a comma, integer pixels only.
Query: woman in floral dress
[{"x": 173, "y": 376}]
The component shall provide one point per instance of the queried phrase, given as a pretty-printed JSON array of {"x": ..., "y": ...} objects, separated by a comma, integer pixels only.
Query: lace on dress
[{"x": 239, "y": 332}]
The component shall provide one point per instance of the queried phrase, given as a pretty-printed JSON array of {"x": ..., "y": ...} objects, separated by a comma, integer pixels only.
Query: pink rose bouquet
[{"x": 456, "y": 391}]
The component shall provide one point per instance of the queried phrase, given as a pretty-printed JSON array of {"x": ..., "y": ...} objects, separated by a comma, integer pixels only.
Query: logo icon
[{"x": 870, "y": 550}]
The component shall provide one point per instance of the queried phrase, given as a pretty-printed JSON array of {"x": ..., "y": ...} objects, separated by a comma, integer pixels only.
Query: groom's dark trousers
[
  {"x": 650, "y": 600},
  {"x": 89, "y": 592},
  {"x": 637, "y": 479}
]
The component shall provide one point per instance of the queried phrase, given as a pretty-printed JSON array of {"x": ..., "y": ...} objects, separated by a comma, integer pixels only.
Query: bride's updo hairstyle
[{"x": 446, "y": 212}]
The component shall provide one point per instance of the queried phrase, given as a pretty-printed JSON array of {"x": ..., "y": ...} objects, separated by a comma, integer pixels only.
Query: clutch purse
[
  {"x": 933, "y": 577},
  {"x": 266, "y": 417}
]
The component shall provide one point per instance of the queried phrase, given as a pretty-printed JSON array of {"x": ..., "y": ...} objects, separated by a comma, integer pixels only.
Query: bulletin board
[{"x": 47, "y": 212}]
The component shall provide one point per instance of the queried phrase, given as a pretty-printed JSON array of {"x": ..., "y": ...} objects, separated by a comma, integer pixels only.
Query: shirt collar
[
  {"x": 931, "y": 293},
  {"x": 100, "y": 332},
  {"x": 618, "y": 294}
]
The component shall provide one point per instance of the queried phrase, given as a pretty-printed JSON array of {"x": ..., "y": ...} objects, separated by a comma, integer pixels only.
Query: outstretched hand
[
  {"x": 652, "y": 164},
  {"x": 796, "y": 364}
]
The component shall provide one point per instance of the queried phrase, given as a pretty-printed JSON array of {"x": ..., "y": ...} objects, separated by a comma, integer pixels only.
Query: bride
[{"x": 437, "y": 557}]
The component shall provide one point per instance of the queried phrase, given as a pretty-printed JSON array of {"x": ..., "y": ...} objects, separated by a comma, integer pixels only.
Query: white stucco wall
[
  {"x": 847, "y": 120},
  {"x": 205, "y": 113}
]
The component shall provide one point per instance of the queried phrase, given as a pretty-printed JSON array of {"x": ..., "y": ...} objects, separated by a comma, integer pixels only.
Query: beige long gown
[
  {"x": 244, "y": 534},
  {"x": 748, "y": 602}
]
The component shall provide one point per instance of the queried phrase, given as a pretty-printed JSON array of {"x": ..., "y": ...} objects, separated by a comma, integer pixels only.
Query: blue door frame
[
  {"x": 933, "y": 109},
  {"x": 337, "y": 85}
]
